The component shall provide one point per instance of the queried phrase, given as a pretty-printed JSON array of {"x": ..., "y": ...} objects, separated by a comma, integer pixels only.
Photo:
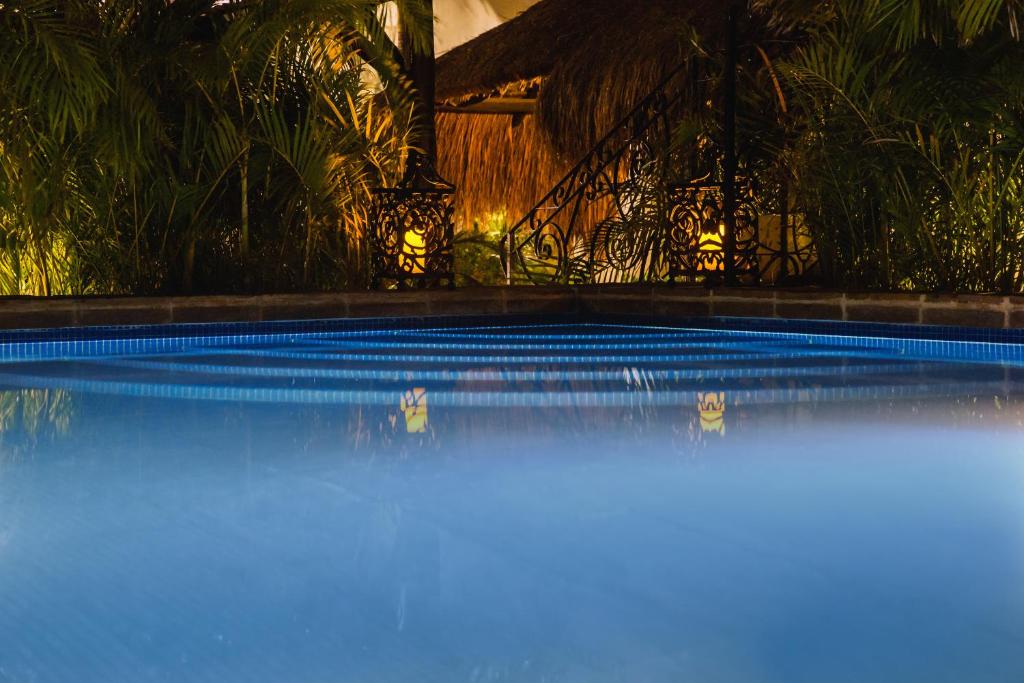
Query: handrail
[
  {"x": 656, "y": 226},
  {"x": 548, "y": 251}
]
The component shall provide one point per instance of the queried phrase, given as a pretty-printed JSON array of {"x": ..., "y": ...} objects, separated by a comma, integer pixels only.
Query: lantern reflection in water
[
  {"x": 414, "y": 406},
  {"x": 711, "y": 406}
]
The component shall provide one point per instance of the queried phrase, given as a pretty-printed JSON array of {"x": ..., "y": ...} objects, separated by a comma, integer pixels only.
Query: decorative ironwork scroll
[
  {"x": 696, "y": 246},
  {"x": 787, "y": 253},
  {"x": 412, "y": 232},
  {"x": 617, "y": 216},
  {"x": 622, "y": 179}
]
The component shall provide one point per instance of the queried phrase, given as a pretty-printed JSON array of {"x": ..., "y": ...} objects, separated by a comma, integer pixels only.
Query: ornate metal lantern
[
  {"x": 699, "y": 244},
  {"x": 412, "y": 231}
]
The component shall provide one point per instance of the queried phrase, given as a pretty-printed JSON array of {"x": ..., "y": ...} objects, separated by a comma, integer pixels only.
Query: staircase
[
  {"x": 623, "y": 181},
  {"x": 635, "y": 209}
]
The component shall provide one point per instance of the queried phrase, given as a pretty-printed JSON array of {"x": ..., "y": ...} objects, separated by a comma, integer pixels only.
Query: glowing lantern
[
  {"x": 698, "y": 232},
  {"x": 414, "y": 407},
  {"x": 414, "y": 252},
  {"x": 711, "y": 406},
  {"x": 711, "y": 257},
  {"x": 412, "y": 231}
]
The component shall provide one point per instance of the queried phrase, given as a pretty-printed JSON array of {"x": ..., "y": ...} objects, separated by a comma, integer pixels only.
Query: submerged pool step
[
  {"x": 562, "y": 359},
  {"x": 639, "y": 397},
  {"x": 496, "y": 375},
  {"x": 541, "y": 346},
  {"x": 467, "y": 342}
]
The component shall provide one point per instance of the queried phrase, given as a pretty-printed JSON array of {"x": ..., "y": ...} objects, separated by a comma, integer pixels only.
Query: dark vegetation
[{"x": 186, "y": 146}]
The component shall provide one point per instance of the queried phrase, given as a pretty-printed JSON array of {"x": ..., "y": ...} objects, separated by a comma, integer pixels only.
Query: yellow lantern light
[
  {"x": 710, "y": 245},
  {"x": 414, "y": 252}
]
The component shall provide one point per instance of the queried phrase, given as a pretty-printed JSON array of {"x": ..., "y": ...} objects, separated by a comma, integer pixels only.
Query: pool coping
[{"x": 946, "y": 315}]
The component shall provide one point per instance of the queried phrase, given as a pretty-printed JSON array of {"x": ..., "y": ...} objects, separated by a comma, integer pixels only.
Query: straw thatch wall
[
  {"x": 499, "y": 164},
  {"x": 495, "y": 165}
]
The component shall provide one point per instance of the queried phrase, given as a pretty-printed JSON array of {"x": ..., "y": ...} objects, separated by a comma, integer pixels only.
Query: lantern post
[{"x": 412, "y": 230}]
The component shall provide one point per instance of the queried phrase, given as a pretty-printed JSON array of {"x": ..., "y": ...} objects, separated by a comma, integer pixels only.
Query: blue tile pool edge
[
  {"x": 915, "y": 341},
  {"x": 927, "y": 341}
]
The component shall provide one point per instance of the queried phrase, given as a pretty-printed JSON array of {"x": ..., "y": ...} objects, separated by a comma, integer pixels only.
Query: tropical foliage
[
  {"x": 174, "y": 146},
  {"x": 898, "y": 128},
  {"x": 887, "y": 133},
  {"x": 477, "y": 258}
]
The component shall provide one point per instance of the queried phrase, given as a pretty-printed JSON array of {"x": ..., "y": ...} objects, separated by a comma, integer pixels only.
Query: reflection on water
[
  {"x": 712, "y": 412},
  {"x": 414, "y": 407},
  {"x": 27, "y": 415},
  {"x": 577, "y": 504}
]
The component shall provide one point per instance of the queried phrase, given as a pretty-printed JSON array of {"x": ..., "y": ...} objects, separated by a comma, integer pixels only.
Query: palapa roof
[{"x": 596, "y": 60}]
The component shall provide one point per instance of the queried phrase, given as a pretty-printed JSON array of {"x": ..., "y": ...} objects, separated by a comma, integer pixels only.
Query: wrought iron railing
[
  {"x": 771, "y": 244},
  {"x": 697, "y": 230},
  {"x": 622, "y": 215},
  {"x": 623, "y": 178}
]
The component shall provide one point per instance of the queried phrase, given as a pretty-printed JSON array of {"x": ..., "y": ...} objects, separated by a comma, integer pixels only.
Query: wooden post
[
  {"x": 784, "y": 233},
  {"x": 420, "y": 64},
  {"x": 729, "y": 134}
]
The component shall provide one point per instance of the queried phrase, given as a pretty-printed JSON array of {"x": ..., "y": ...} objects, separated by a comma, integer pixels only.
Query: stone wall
[
  {"x": 929, "y": 309},
  {"x": 969, "y": 310}
]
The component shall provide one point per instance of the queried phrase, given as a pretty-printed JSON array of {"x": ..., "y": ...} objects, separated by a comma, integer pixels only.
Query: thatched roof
[{"x": 596, "y": 59}]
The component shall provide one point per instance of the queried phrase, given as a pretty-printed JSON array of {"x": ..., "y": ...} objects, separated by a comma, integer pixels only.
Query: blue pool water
[{"x": 551, "y": 503}]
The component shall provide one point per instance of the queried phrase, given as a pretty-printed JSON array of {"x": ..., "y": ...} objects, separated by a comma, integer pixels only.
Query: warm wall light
[
  {"x": 414, "y": 406},
  {"x": 711, "y": 406}
]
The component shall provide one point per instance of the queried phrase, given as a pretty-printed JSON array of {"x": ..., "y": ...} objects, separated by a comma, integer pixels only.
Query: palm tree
[
  {"x": 194, "y": 145},
  {"x": 900, "y": 127}
]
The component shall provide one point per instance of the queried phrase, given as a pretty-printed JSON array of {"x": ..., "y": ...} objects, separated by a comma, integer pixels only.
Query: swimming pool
[{"x": 529, "y": 501}]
